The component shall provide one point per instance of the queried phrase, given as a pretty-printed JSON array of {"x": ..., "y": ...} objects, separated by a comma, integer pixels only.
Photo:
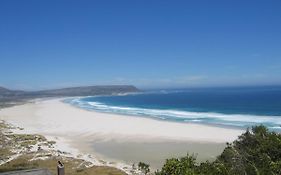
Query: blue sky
[{"x": 167, "y": 44}]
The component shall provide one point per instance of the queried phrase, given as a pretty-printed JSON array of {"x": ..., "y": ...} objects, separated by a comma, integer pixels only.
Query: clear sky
[{"x": 148, "y": 43}]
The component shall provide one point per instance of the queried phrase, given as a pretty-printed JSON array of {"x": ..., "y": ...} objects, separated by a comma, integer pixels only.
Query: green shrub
[{"x": 255, "y": 152}]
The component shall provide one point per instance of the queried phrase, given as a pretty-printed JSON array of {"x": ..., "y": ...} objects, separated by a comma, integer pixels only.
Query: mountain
[
  {"x": 10, "y": 95},
  {"x": 87, "y": 91},
  {"x": 6, "y": 92}
]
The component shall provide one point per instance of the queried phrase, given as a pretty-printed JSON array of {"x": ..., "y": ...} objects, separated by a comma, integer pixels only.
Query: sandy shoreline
[{"x": 85, "y": 128}]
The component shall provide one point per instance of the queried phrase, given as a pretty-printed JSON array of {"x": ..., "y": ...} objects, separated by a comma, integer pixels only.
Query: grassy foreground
[{"x": 26, "y": 151}]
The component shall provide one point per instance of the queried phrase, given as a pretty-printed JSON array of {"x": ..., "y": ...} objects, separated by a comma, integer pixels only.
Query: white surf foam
[{"x": 241, "y": 120}]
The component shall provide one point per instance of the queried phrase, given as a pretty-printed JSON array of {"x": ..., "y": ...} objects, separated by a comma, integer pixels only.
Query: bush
[
  {"x": 255, "y": 152},
  {"x": 143, "y": 167}
]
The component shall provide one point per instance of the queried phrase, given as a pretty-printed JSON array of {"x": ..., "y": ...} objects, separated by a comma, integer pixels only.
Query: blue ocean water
[{"x": 236, "y": 107}]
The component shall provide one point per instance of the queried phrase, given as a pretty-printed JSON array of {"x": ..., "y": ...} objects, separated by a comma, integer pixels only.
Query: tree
[
  {"x": 143, "y": 167},
  {"x": 255, "y": 152},
  {"x": 183, "y": 166}
]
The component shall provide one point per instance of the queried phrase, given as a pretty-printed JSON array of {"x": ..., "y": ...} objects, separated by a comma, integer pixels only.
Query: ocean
[{"x": 226, "y": 107}]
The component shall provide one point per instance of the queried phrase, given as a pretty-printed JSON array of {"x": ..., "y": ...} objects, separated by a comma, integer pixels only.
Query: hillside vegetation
[
  {"x": 256, "y": 152},
  {"x": 29, "y": 151}
]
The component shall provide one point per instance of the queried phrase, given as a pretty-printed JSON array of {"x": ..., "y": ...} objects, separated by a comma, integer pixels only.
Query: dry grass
[
  {"x": 10, "y": 142},
  {"x": 72, "y": 166}
]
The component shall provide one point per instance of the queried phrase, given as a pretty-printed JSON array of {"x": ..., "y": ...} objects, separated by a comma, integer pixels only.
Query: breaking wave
[{"x": 233, "y": 120}]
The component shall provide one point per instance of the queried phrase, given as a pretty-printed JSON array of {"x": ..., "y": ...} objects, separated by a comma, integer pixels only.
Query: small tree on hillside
[{"x": 143, "y": 167}]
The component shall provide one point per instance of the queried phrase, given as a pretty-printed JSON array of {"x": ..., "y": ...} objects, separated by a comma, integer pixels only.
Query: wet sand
[{"x": 156, "y": 153}]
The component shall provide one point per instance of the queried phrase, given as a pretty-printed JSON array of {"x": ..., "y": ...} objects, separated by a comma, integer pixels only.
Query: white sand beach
[{"x": 83, "y": 129}]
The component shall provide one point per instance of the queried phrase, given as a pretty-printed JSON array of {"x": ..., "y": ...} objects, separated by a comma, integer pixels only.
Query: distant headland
[{"x": 7, "y": 95}]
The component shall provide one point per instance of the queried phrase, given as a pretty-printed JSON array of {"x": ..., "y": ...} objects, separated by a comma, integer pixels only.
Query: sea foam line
[{"x": 240, "y": 120}]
